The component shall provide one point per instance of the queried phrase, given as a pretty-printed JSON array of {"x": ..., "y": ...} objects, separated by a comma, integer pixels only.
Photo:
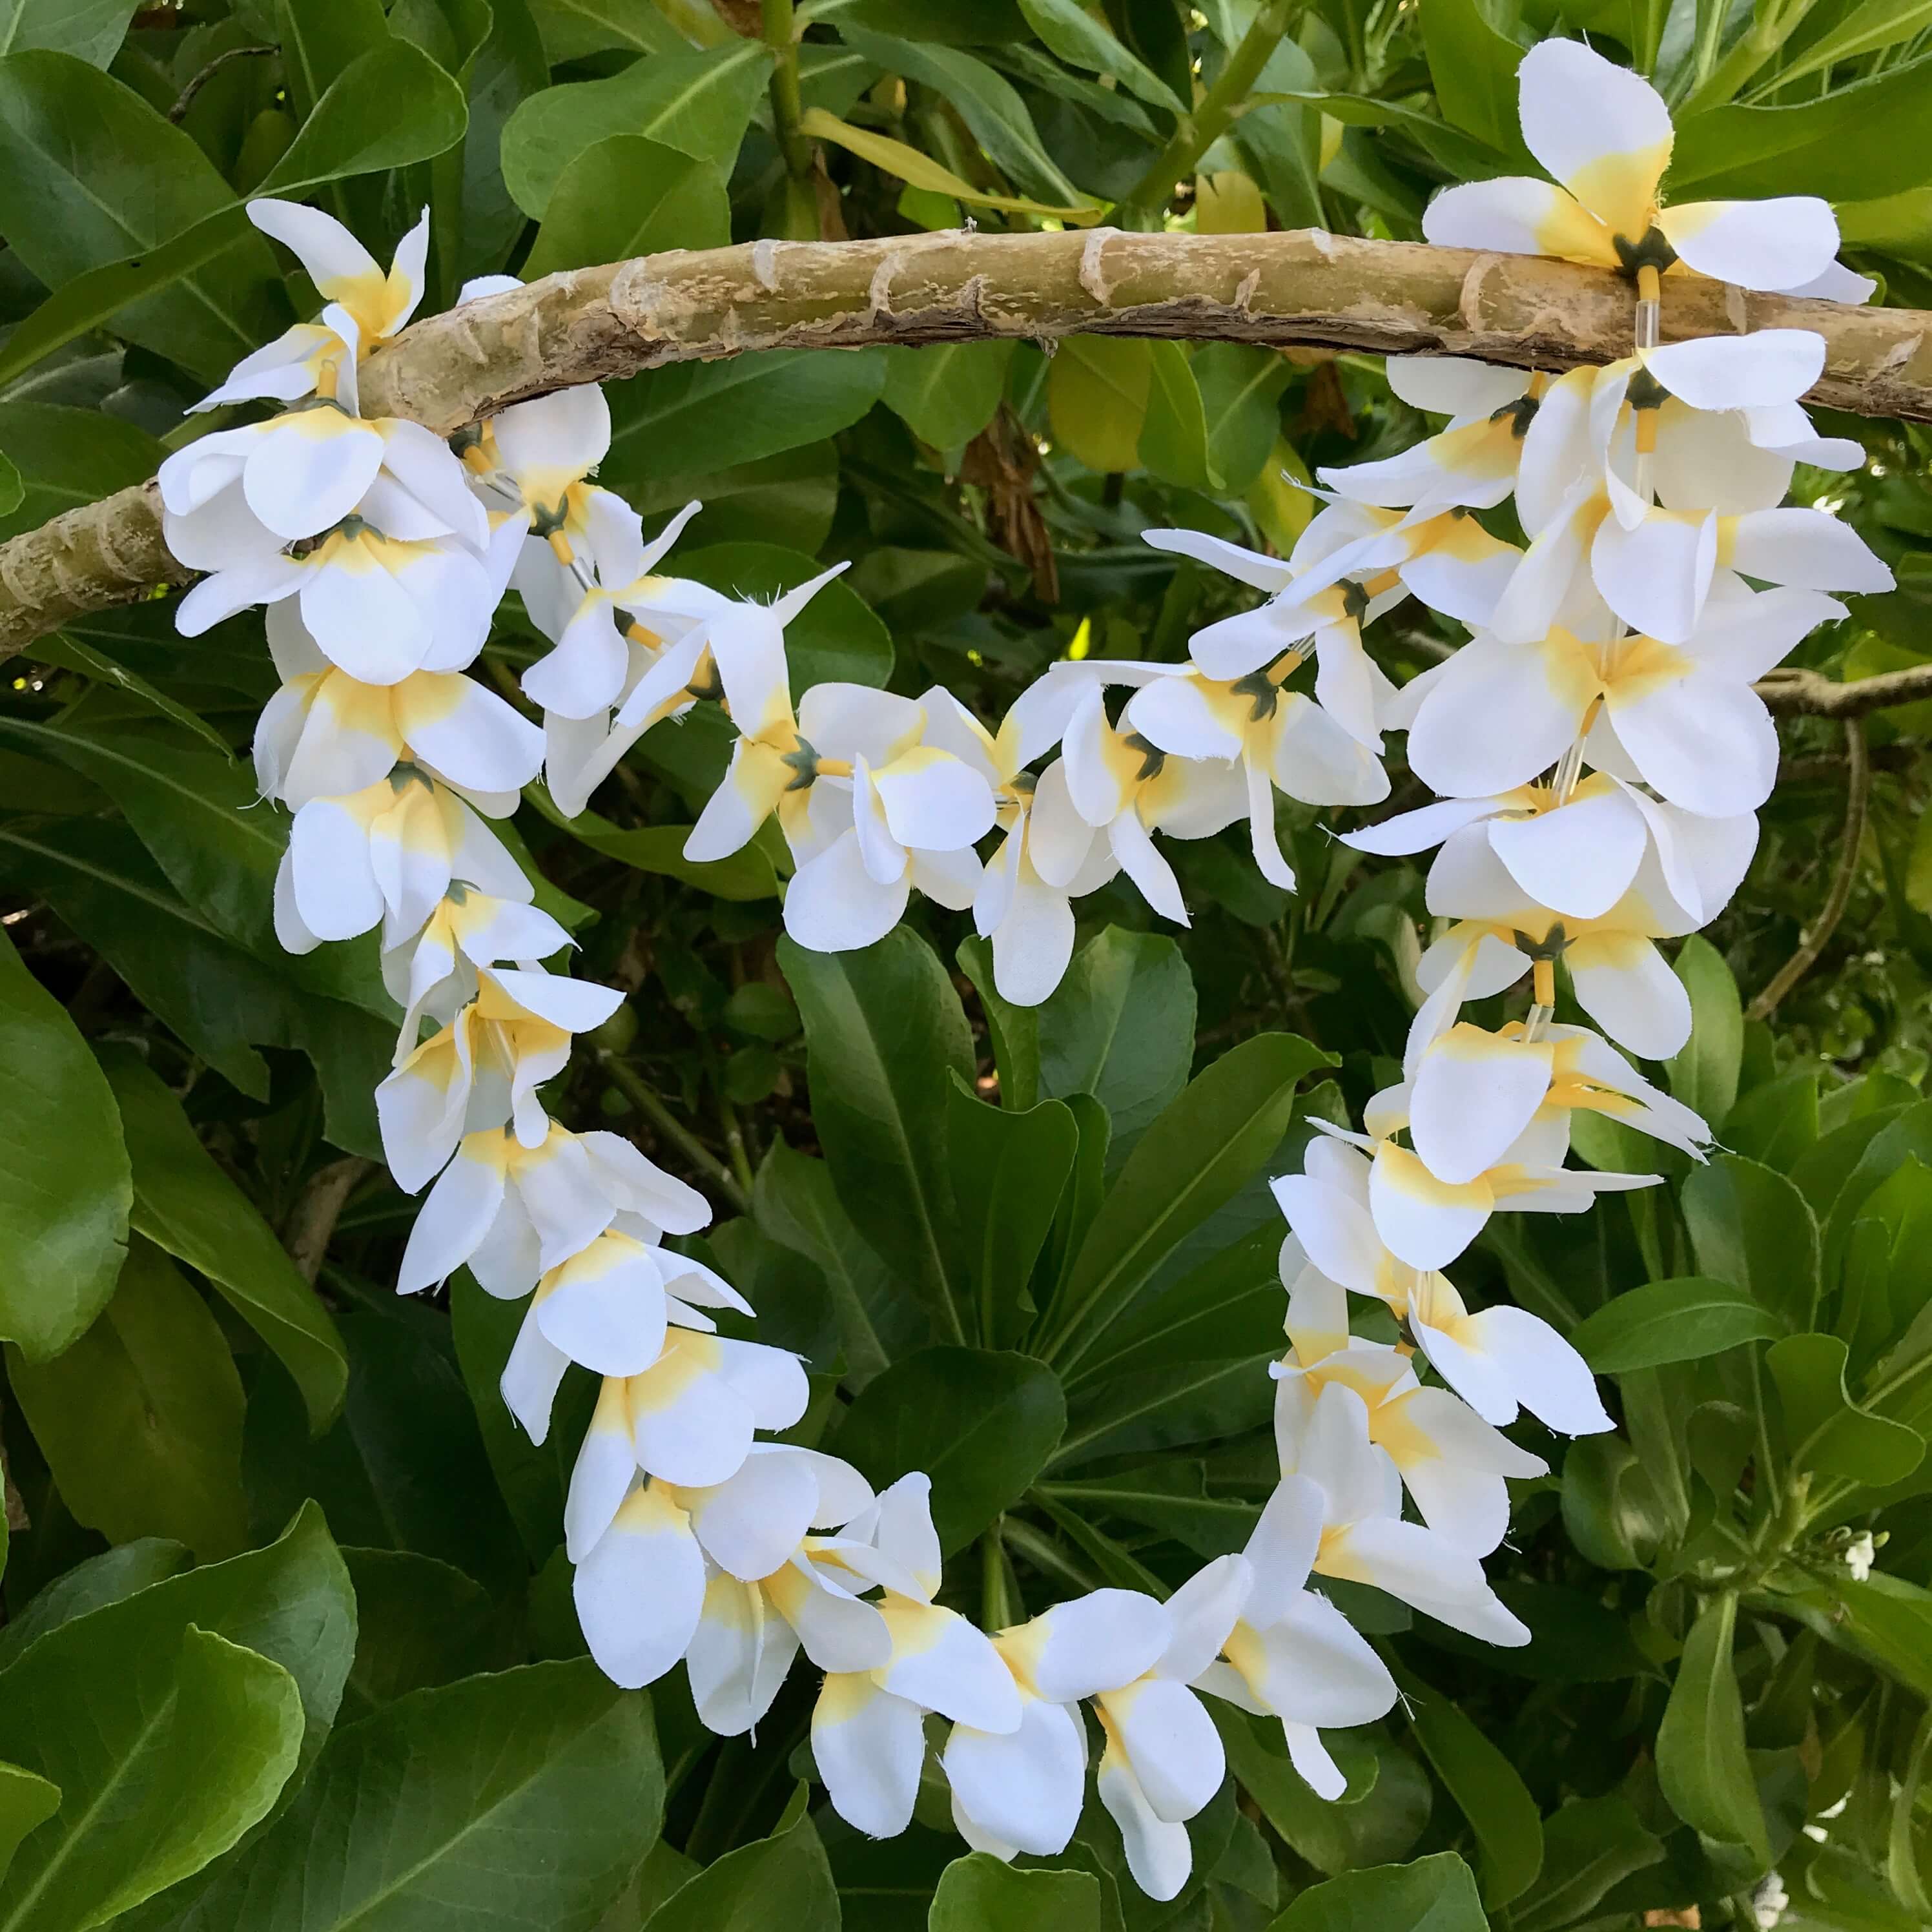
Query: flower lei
[{"x": 1599, "y": 756}]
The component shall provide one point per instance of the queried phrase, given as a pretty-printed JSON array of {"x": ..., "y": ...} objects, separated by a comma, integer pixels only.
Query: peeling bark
[{"x": 1307, "y": 289}]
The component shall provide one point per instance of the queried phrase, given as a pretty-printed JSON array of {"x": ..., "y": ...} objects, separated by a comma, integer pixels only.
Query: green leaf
[
  {"x": 26, "y": 1801},
  {"x": 1240, "y": 389},
  {"x": 67, "y": 458},
  {"x": 184, "y": 1203},
  {"x": 1824, "y": 1428},
  {"x": 1701, "y": 1763},
  {"x": 91, "y": 30},
  {"x": 982, "y": 1425},
  {"x": 1473, "y": 64},
  {"x": 1776, "y": 1123},
  {"x": 141, "y": 1420},
  {"x": 1752, "y": 1228},
  {"x": 1678, "y": 1321},
  {"x": 1198, "y": 1155},
  {"x": 155, "y": 1716},
  {"x": 626, "y": 195},
  {"x": 947, "y": 392},
  {"x": 734, "y": 411},
  {"x": 105, "y": 1578},
  {"x": 980, "y": 1894},
  {"x": 1704, "y": 1075},
  {"x": 883, "y": 1029},
  {"x": 1013, "y": 1031},
  {"x": 320, "y": 38},
  {"x": 1120, "y": 1027},
  {"x": 65, "y": 1191},
  {"x": 699, "y": 103},
  {"x": 526, "y": 1798},
  {"x": 1485, "y": 1784},
  {"x": 788, "y": 499},
  {"x": 1098, "y": 390},
  {"x": 1588, "y": 1847},
  {"x": 1852, "y": 144},
  {"x": 1611, "y": 1507},
  {"x": 796, "y": 1204},
  {"x": 781, "y": 1880},
  {"x": 1174, "y": 436},
  {"x": 1081, "y": 40},
  {"x": 68, "y": 651},
  {"x": 572, "y": 29},
  {"x": 90, "y": 174},
  {"x": 417, "y": 1623},
  {"x": 746, "y": 874},
  {"x": 1891, "y": 1620},
  {"x": 986, "y": 102},
  {"x": 1008, "y": 1171},
  {"x": 1436, "y": 1893}
]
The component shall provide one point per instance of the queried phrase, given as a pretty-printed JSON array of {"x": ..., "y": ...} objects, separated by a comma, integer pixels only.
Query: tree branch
[
  {"x": 1809, "y": 694},
  {"x": 1306, "y": 289}
]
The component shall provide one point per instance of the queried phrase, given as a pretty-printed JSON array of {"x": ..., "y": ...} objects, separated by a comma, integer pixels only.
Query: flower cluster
[{"x": 1599, "y": 756}]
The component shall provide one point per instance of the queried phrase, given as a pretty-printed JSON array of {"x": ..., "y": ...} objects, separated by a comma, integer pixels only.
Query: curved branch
[
  {"x": 1809, "y": 694},
  {"x": 1812, "y": 943},
  {"x": 1306, "y": 289}
]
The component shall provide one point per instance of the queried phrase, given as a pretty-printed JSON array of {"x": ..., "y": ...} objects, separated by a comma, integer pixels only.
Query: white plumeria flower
[
  {"x": 1495, "y": 1360},
  {"x": 1475, "y": 1094},
  {"x": 511, "y": 1212},
  {"x": 1314, "y": 606},
  {"x": 1127, "y": 788},
  {"x": 1291, "y": 1654},
  {"x": 1580, "y": 856},
  {"x": 365, "y": 307},
  {"x": 485, "y": 1068},
  {"x": 1281, "y": 740},
  {"x": 1472, "y": 464},
  {"x": 1683, "y": 718},
  {"x": 1451, "y": 1462},
  {"x": 1427, "y": 1222},
  {"x": 868, "y": 1738},
  {"x": 433, "y": 973},
  {"x": 1605, "y": 134},
  {"x": 1620, "y": 979},
  {"x": 599, "y": 1304},
  {"x": 324, "y": 735},
  {"x": 1020, "y": 1790},
  {"x": 1363, "y": 1537},
  {"x": 641, "y": 1585},
  {"x": 406, "y": 580},
  {"x": 585, "y": 676},
  {"x": 387, "y": 855}
]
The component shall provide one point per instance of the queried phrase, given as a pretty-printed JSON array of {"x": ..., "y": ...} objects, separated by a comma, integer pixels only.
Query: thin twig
[
  {"x": 1858, "y": 794},
  {"x": 311, "y": 1222},
  {"x": 645, "y": 1097},
  {"x": 179, "y": 111}
]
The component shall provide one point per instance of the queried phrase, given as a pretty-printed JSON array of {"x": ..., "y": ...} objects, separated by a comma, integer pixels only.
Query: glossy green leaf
[
  {"x": 1704, "y": 1075},
  {"x": 796, "y": 1204},
  {"x": 27, "y": 1800},
  {"x": 68, "y": 652},
  {"x": 1098, "y": 390},
  {"x": 1777, "y": 1123},
  {"x": 106, "y": 1579},
  {"x": 733, "y": 411},
  {"x": 530, "y": 1797},
  {"x": 1082, "y": 41},
  {"x": 1120, "y": 1027},
  {"x": 1437, "y": 1894},
  {"x": 1701, "y": 1763},
  {"x": 1240, "y": 387},
  {"x": 981, "y": 1424},
  {"x": 185, "y": 1204},
  {"x": 1493, "y": 1797},
  {"x": 572, "y": 29},
  {"x": 65, "y": 1191},
  {"x": 320, "y": 38},
  {"x": 697, "y": 103},
  {"x": 1174, "y": 436},
  {"x": 1009, "y": 1170},
  {"x": 1679, "y": 1320},
  {"x": 419, "y": 1623},
  {"x": 1213, "y": 1139},
  {"x": 1752, "y": 1228},
  {"x": 157, "y": 1723},
  {"x": 1588, "y": 1846},
  {"x": 884, "y": 1031},
  {"x": 627, "y": 196},
  {"x": 67, "y": 457},
  {"x": 783, "y": 1879},
  {"x": 141, "y": 1420},
  {"x": 1611, "y": 1507},
  {"x": 1891, "y": 1620},
  {"x": 1473, "y": 64},
  {"x": 979, "y": 1894},
  {"x": 1013, "y": 1030},
  {"x": 90, "y": 29},
  {"x": 946, "y": 393},
  {"x": 1825, "y": 1429}
]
